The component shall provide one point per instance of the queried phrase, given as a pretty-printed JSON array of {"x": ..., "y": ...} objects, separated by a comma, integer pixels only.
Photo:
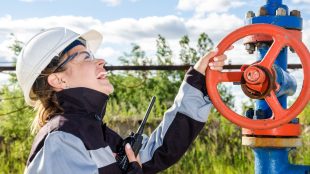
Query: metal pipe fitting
[
  {"x": 295, "y": 13},
  {"x": 281, "y": 12}
]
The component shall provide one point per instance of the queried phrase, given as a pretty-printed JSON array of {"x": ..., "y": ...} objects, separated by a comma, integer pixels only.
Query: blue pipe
[
  {"x": 275, "y": 161},
  {"x": 273, "y": 5},
  {"x": 288, "y": 84},
  {"x": 261, "y": 105}
]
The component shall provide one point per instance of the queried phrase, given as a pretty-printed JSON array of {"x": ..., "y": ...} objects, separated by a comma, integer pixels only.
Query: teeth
[{"x": 102, "y": 75}]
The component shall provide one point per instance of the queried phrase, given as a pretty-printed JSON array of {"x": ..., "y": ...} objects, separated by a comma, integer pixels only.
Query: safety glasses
[{"x": 78, "y": 57}]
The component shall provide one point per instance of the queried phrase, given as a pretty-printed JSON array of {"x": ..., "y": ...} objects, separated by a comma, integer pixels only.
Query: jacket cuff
[
  {"x": 134, "y": 168},
  {"x": 197, "y": 80}
]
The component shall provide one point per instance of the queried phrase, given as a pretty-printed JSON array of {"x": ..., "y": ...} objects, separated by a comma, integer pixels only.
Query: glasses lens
[{"x": 83, "y": 56}]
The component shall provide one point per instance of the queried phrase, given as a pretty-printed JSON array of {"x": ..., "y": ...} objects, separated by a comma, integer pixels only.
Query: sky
[{"x": 123, "y": 22}]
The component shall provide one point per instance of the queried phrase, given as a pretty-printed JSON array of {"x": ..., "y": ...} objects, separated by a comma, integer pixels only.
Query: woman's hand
[
  {"x": 135, "y": 166},
  {"x": 217, "y": 64},
  {"x": 131, "y": 155}
]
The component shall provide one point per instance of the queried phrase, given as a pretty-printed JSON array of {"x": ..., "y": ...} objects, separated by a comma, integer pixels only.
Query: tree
[
  {"x": 188, "y": 55},
  {"x": 204, "y": 45},
  {"x": 132, "y": 88},
  {"x": 135, "y": 57},
  {"x": 164, "y": 52},
  {"x": 15, "y": 118}
]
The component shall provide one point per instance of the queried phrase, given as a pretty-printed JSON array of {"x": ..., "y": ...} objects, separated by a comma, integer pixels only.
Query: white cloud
[
  {"x": 6, "y": 54},
  {"x": 306, "y": 33},
  {"x": 111, "y": 2},
  {"x": 109, "y": 54},
  {"x": 129, "y": 29},
  {"x": 118, "y": 34},
  {"x": 213, "y": 25},
  {"x": 203, "y": 6},
  {"x": 301, "y": 1},
  {"x": 24, "y": 29}
]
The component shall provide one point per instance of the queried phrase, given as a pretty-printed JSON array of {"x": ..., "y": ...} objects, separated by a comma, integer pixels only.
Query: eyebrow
[
  {"x": 79, "y": 52},
  {"x": 84, "y": 52}
]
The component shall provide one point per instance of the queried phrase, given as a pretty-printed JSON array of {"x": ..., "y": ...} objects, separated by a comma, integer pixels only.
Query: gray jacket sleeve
[
  {"x": 179, "y": 127},
  {"x": 69, "y": 156},
  {"x": 64, "y": 153}
]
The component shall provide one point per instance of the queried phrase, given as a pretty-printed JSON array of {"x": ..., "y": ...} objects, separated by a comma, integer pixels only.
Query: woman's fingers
[
  {"x": 139, "y": 161},
  {"x": 129, "y": 152},
  {"x": 202, "y": 63},
  {"x": 211, "y": 54},
  {"x": 219, "y": 68},
  {"x": 131, "y": 155},
  {"x": 220, "y": 58},
  {"x": 218, "y": 62}
]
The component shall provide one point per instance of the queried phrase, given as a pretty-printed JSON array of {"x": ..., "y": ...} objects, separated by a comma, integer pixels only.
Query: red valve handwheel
[{"x": 281, "y": 38}]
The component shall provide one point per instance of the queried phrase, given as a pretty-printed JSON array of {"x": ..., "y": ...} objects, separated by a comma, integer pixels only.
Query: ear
[{"x": 55, "y": 81}]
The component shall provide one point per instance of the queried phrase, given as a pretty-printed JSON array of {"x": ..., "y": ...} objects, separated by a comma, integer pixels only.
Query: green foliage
[
  {"x": 135, "y": 57},
  {"x": 15, "y": 118},
  {"x": 217, "y": 149},
  {"x": 17, "y": 45},
  {"x": 14, "y": 127},
  {"x": 301, "y": 155},
  {"x": 133, "y": 87},
  {"x": 188, "y": 55},
  {"x": 164, "y": 52},
  {"x": 204, "y": 45}
]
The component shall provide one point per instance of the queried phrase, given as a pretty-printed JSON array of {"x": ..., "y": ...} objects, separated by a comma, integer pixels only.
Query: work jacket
[{"x": 78, "y": 142}]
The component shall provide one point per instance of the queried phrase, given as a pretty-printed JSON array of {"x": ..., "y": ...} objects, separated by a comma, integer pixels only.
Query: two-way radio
[{"x": 134, "y": 139}]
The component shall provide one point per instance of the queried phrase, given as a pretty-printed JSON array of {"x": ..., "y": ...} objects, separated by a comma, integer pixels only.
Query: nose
[{"x": 100, "y": 62}]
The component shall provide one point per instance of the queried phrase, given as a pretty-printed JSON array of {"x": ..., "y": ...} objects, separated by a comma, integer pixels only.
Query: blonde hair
[{"x": 46, "y": 100}]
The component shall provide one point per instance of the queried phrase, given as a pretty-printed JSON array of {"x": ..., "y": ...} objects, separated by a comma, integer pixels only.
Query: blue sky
[
  {"x": 123, "y": 22},
  {"x": 95, "y": 8},
  {"x": 115, "y": 9}
]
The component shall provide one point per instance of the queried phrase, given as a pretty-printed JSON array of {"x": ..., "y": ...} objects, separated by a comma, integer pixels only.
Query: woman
[{"x": 69, "y": 88}]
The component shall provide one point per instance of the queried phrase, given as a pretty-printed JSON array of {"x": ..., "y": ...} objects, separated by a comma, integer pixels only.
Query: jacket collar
[{"x": 83, "y": 101}]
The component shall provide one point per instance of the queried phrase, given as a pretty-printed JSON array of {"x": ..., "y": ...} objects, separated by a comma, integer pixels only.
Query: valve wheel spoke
[
  {"x": 275, "y": 105},
  {"x": 272, "y": 53},
  {"x": 230, "y": 76}
]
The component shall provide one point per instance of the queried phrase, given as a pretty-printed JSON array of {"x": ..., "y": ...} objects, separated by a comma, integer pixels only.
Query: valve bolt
[
  {"x": 262, "y": 11},
  {"x": 253, "y": 75},
  {"x": 295, "y": 13},
  {"x": 281, "y": 12}
]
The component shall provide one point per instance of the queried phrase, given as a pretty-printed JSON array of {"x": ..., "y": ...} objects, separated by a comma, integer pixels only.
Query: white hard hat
[{"x": 42, "y": 48}]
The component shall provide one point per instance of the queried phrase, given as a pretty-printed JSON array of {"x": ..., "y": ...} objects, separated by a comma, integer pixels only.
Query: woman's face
[{"x": 81, "y": 71}]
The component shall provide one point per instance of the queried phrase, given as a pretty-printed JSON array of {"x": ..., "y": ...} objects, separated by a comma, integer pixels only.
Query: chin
[{"x": 108, "y": 89}]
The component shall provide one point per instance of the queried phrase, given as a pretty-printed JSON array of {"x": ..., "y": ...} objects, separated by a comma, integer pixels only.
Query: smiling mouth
[{"x": 102, "y": 75}]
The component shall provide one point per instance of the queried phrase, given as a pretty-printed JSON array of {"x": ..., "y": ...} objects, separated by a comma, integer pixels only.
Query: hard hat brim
[{"x": 93, "y": 40}]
